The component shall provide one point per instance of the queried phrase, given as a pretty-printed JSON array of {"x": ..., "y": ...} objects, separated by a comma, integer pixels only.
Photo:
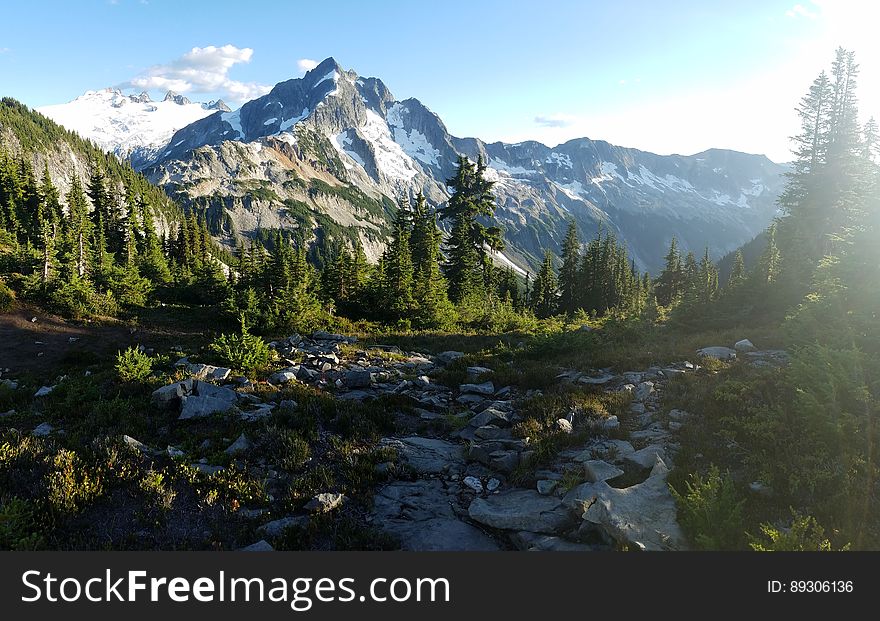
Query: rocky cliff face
[{"x": 350, "y": 133}]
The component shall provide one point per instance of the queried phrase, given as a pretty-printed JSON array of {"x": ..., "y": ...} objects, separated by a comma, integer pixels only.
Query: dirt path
[{"x": 41, "y": 346}]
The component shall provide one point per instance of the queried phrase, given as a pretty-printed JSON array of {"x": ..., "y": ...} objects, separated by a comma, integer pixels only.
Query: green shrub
[
  {"x": 21, "y": 525},
  {"x": 7, "y": 298},
  {"x": 804, "y": 535},
  {"x": 244, "y": 352},
  {"x": 72, "y": 485},
  {"x": 710, "y": 511},
  {"x": 133, "y": 365}
]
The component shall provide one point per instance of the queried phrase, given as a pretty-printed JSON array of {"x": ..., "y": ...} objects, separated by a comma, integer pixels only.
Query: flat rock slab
[
  {"x": 525, "y": 540},
  {"x": 643, "y": 515},
  {"x": 521, "y": 509},
  {"x": 419, "y": 514},
  {"x": 719, "y": 353},
  {"x": 428, "y": 455}
]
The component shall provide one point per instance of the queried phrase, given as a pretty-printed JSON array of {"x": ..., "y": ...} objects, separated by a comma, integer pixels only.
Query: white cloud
[
  {"x": 799, "y": 10},
  {"x": 4, "y": 50},
  {"x": 202, "y": 70},
  {"x": 555, "y": 120},
  {"x": 306, "y": 64}
]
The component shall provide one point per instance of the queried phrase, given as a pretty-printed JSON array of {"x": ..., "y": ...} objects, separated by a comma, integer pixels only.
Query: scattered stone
[
  {"x": 719, "y": 353},
  {"x": 208, "y": 372},
  {"x": 492, "y": 484},
  {"x": 597, "y": 470},
  {"x": 491, "y": 432},
  {"x": 240, "y": 445},
  {"x": 43, "y": 391},
  {"x": 358, "y": 379},
  {"x": 448, "y": 357},
  {"x": 174, "y": 452},
  {"x": 504, "y": 461},
  {"x": 758, "y": 488},
  {"x": 674, "y": 425},
  {"x": 356, "y": 395},
  {"x": 475, "y": 372},
  {"x": 745, "y": 345},
  {"x": 521, "y": 509},
  {"x": 596, "y": 380},
  {"x": 288, "y": 404},
  {"x": 564, "y": 425},
  {"x": 647, "y": 457},
  {"x": 610, "y": 423},
  {"x": 486, "y": 388},
  {"x": 489, "y": 416},
  {"x": 10, "y": 384},
  {"x": 678, "y": 415},
  {"x": 138, "y": 445},
  {"x": 643, "y": 391},
  {"x": 207, "y": 468},
  {"x": 470, "y": 399},
  {"x": 474, "y": 483},
  {"x": 546, "y": 486},
  {"x": 207, "y": 399},
  {"x": 284, "y": 376},
  {"x": 168, "y": 397},
  {"x": 7, "y": 413},
  {"x": 504, "y": 392},
  {"x": 324, "y": 503},
  {"x": 320, "y": 335},
  {"x": 276, "y": 528},
  {"x": 43, "y": 430}
]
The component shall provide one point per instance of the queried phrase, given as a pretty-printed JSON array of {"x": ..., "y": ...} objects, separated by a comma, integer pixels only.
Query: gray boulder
[
  {"x": 276, "y": 528},
  {"x": 745, "y": 345},
  {"x": 427, "y": 455},
  {"x": 719, "y": 353},
  {"x": 486, "y": 388},
  {"x": 207, "y": 399},
  {"x": 597, "y": 470},
  {"x": 643, "y": 515},
  {"x": 358, "y": 379},
  {"x": 324, "y": 503},
  {"x": 521, "y": 509},
  {"x": 285, "y": 375},
  {"x": 240, "y": 445},
  {"x": 448, "y": 357},
  {"x": 168, "y": 397}
]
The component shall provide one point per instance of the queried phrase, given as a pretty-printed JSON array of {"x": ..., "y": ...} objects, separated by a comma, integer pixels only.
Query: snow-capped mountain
[
  {"x": 132, "y": 126},
  {"x": 330, "y": 153}
]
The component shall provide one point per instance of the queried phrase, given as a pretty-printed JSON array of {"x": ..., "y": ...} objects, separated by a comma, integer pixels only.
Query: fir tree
[
  {"x": 669, "y": 285},
  {"x": 469, "y": 263},
  {"x": 545, "y": 292},
  {"x": 568, "y": 273}
]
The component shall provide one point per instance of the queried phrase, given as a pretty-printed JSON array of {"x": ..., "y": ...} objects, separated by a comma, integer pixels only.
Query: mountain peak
[
  {"x": 217, "y": 105},
  {"x": 176, "y": 98}
]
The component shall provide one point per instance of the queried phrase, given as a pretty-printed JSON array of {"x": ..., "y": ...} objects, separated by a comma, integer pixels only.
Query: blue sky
[{"x": 661, "y": 76}]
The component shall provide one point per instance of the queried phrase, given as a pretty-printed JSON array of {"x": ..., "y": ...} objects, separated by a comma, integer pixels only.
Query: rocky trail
[{"x": 472, "y": 483}]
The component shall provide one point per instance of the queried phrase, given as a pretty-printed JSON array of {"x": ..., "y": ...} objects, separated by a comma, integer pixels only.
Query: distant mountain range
[
  {"x": 331, "y": 152},
  {"x": 134, "y": 127}
]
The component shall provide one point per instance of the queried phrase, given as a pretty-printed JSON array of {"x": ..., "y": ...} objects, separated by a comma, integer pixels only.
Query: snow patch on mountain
[
  {"x": 234, "y": 121},
  {"x": 391, "y": 159},
  {"x": 127, "y": 125}
]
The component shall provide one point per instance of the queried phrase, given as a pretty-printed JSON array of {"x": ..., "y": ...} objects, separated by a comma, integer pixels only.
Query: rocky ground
[{"x": 466, "y": 473}]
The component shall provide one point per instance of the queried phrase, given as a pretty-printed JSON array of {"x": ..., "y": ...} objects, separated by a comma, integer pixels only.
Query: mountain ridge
[{"x": 349, "y": 131}]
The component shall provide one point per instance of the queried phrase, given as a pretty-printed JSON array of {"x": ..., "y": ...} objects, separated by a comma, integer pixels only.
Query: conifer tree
[
  {"x": 397, "y": 276},
  {"x": 469, "y": 262},
  {"x": 545, "y": 292},
  {"x": 669, "y": 285},
  {"x": 738, "y": 272},
  {"x": 568, "y": 273}
]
